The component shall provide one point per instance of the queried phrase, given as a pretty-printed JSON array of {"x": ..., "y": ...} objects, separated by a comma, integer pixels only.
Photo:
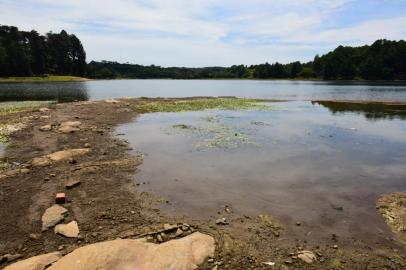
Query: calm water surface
[
  {"x": 278, "y": 89},
  {"x": 322, "y": 164}
]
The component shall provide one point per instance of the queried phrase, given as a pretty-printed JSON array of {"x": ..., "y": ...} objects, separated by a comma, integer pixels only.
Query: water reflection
[
  {"x": 62, "y": 92},
  {"x": 268, "y": 89},
  {"x": 371, "y": 110},
  {"x": 300, "y": 163}
]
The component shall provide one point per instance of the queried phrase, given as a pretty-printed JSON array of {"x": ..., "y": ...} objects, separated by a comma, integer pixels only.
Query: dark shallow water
[
  {"x": 322, "y": 165},
  {"x": 274, "y": 89}
]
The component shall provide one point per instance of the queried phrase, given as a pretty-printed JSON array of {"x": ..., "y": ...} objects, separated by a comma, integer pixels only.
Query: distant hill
[{"x": 30, "y": 54}]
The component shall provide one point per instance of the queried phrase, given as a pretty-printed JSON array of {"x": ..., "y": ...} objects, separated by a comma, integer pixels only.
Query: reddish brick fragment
[{"x": 60, "y": 198}]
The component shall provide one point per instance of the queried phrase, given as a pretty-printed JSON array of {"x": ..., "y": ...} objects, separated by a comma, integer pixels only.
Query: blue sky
[{"x": 211, "y": 32}]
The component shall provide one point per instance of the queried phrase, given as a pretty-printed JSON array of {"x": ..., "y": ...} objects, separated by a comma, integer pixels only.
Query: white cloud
[{"x": 200, "y": 32}]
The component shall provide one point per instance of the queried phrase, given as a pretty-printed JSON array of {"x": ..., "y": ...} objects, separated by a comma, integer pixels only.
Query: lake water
[
  {"x": 269, "y": 89},
  {"x": 323, "y": 164}
]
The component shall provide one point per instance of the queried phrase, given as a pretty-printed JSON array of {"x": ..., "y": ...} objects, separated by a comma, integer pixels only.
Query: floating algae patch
[
  {"x": 170, "y": 105},
  {"x": 215, "y": 132}
]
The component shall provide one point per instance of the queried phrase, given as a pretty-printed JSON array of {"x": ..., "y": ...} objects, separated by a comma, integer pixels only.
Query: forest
[{"x": 31, "y": 54}]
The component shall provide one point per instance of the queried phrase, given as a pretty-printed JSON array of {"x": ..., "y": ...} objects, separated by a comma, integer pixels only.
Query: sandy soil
[{"x": 108, "y": 205}]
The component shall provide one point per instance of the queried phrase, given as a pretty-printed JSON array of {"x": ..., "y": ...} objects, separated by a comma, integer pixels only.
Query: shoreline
[
  {"x": 83, "y": 79},
  {"x": 107, "y": 204},
  {"x": 40, "y": 79}
]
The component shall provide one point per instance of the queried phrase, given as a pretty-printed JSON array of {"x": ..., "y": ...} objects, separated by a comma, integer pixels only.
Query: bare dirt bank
[{"x": 107, "y": 205}]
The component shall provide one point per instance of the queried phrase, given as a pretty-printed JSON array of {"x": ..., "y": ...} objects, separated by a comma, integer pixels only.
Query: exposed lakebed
[{"x": 321, "y": 164}]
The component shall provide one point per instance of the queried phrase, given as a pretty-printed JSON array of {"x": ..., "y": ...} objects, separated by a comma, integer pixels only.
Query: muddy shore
[{"x": 108, "y": 205}]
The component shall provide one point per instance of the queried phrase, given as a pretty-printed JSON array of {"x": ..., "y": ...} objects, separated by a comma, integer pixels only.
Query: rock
[
  {"x": 221, "y": 221},
  {"x": 60, "y": 198},
  {"x": 67, "y": 154},
  {"x": 71, "y": 183},
  {"x": 168, "y": 227},
  {"x": 10, "y": 258},
  {"x": 44, "y": 109},
  {"x": 52, "y": 216},
  {"x": 45, "y": 128},
  {"x": 35, "y": 263},
  {"x": 68, "y": 230},
  {"x": 70, "y": 126},
  {"x": 185, "y": 253},
  {"x": 298, "y": 223},
  {"x": 113, "y": 101},
  {"x": 178, "y": 233},
  {"x": 59, "y": 156},
  {"x": 86, "y": 145},
  {"x": 41, "y": 162},
  {"x": 34, "y": 236},
  {"x": 13, "y": 173},
  {"x": 306, "y": 256}
]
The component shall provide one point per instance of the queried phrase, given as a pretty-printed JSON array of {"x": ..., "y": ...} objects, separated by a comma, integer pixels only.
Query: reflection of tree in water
[
  {"x": 371, "y": 110},
  {"x": 62, "y": 92}
]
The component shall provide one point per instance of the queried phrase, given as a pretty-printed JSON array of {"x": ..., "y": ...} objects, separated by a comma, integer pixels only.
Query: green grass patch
[
  {"x": 42, "y": 79},
  {"x": 20, "y": 106},
  {"x": 148, "y": 106}
]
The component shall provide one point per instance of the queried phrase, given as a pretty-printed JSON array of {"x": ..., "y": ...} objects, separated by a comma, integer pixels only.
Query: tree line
[
  {"x": 383, "y": 60},
  {"x": 31, "y": 54},
  {"x": 28, "y": 53}
]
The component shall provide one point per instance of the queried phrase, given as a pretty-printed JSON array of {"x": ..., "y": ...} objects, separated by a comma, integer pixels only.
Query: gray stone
[{"x": 52, "y": 216}]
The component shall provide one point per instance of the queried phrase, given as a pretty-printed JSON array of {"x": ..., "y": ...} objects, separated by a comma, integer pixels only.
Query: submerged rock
[
  {"x": 185, "y": 253},
  {"x": 35, "y": 263},
  {"x": 52, "y": 216},
  {"x": 70, "y": 230}
]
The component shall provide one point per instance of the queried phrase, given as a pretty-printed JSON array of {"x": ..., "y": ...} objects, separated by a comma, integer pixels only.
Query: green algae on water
[
  {"x": 199, "y": 104},
  {"x": 214, "y": 133}
]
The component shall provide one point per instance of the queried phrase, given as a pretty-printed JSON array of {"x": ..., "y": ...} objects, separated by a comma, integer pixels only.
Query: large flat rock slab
[
  {"x": 180, "y": 254},
  {"x": 35, "y": 263}
]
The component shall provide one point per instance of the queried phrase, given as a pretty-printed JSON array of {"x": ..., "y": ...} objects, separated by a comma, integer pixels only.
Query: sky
[{"x": 196, "y": 33}]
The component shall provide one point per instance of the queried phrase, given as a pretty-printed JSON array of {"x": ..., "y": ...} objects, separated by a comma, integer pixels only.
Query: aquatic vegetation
[
  {"x": 214, "y": 133},
  {"x": 19, "y": 106},
  {"x": 148, "y": 106}
]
